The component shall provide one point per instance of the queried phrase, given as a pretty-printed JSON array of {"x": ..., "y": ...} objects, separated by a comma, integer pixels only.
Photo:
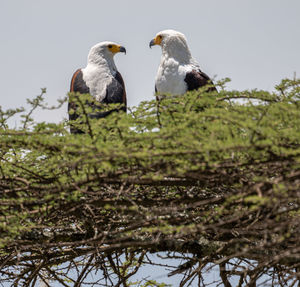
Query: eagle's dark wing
[
  {"x": 77, "y": 85},
  {"x": 197, "y": 79},
  {"x": 115, "y": 94},
  {"x": 121, "y": 81}
]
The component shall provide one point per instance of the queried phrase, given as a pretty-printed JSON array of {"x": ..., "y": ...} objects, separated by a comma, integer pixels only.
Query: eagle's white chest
[
  {"x": 97, "y": 78},
  {"x": 170, "y": 78}
]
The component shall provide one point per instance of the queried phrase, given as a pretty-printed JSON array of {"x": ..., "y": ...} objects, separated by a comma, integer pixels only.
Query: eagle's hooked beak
[
  {"x": 152, "y": 43},
  {"x": 122, "y": 49},
  {"x": 155, "y": 41}
]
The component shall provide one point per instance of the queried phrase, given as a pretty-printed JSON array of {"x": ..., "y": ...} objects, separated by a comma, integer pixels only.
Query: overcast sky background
[{"x": 254, "y": 42}]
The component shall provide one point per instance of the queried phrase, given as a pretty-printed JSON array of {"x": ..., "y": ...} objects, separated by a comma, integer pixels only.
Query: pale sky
[{"x": 254, "y": 42}]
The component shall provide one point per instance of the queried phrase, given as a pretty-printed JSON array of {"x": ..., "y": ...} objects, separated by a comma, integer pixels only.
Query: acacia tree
[{"x": 203, "y": 178}]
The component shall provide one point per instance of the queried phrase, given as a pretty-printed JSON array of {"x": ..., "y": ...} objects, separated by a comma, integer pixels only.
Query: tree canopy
[{"x": 212, "y": 179}]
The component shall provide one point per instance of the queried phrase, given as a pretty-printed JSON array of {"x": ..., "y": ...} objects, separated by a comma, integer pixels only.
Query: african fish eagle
[
  {"x": 101, "y": 79},
  {"x": 178, "y": 71}
]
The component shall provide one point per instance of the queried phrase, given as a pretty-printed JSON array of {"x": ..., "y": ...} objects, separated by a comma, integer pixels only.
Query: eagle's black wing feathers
[
  {"x": 124, "y": 97},
  {"x": 115, "y": 91},
  {"x": 77, "y": 85},
  {"x": 115, "y": 94},
  {"x": 197, "y": 79}
]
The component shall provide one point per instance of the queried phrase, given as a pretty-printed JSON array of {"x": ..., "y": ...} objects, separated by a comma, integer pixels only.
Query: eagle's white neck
[
  {"x": 106, "y": 63},
  {"x": 98, "y": 74},
  {"x": 178, "y": 50}
]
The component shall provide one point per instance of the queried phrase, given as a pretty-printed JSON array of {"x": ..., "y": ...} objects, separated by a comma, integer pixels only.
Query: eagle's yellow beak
[
  {"x": 116, "y": 49},
  {"x": 155, "y": 41}
]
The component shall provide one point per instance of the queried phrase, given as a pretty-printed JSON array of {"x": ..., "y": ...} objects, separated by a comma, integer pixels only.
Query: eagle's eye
[
  {"x": 160, "y": 36},
  {"x": 109, "y": 46}
]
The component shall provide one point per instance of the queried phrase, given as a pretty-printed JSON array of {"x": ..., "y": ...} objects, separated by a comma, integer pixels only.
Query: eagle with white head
[
  {"x": 100, "y": 78},
  {"x": 178, "y": 71}
]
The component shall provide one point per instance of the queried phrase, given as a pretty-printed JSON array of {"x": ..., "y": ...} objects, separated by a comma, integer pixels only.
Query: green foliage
[
  {"x": 175, "y": 138},
  {"x": 183, "y": 167}
]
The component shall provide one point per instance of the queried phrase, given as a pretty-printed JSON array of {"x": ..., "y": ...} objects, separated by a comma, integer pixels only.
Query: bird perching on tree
[
  {"x": 101, "y": 79},
  {"x": 178, "y": 71}
]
